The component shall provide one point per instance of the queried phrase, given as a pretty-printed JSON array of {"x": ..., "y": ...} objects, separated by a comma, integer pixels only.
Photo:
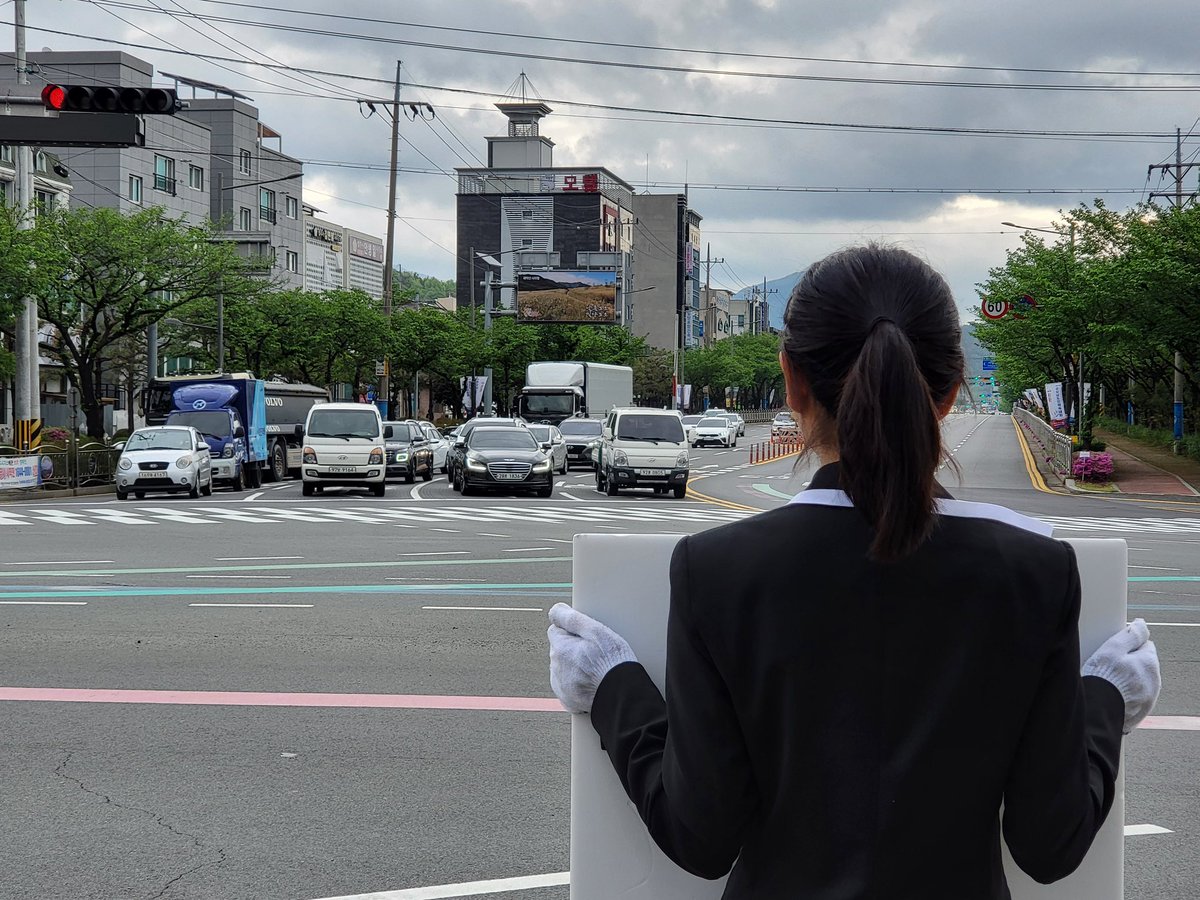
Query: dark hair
[{"x": 875, "y": 332}]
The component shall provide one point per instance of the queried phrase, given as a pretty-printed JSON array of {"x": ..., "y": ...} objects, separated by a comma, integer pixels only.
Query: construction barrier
[{"x": 776, "y": 448}]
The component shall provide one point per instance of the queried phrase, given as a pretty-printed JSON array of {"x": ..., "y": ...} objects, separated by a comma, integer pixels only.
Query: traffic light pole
[{"x": 28, "y": 377}]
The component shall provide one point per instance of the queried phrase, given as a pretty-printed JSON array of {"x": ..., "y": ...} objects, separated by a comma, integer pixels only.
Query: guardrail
[
  {"x": 1053, "y": 446},
  {"x": 88, "y": 465},
  {"x": 776, "y": 448}
]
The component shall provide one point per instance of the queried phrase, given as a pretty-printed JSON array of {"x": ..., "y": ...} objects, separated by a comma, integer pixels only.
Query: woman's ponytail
[
  {"x": 889, "y": 441},
  {"x": 875, "y": 332}
]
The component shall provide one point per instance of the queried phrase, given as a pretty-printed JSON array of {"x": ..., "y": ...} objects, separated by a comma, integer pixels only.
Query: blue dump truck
[{"x": 230, "y": 411}]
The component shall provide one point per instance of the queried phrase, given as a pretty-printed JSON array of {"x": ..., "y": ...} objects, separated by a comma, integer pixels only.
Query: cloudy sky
[{"x": 843, "y": 70}]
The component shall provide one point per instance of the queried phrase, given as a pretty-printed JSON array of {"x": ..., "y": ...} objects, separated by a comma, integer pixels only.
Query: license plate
[
  {"x": 154, "y": 475},
  {"x": 509, "y": 476},
  {"x": 342, "y": 470},
  {"x": 652, "y": 471}
]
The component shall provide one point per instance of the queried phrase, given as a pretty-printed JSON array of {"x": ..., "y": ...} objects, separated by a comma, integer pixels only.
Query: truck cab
[{"x": 230, "y": 414}]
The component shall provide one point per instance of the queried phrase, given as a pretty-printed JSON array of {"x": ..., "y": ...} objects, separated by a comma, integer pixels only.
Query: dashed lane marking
[{"x": 466, "y": 888}]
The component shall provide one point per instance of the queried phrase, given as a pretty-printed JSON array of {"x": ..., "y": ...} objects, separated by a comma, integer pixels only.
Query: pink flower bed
[{"x": 1096, "y": 467}]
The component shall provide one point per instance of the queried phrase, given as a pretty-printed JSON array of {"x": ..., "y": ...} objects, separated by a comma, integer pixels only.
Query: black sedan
[
  {"x": 581, "y": 435},
  {"x": 504, "y": 458},
  {"x": 408, "y": 452}
]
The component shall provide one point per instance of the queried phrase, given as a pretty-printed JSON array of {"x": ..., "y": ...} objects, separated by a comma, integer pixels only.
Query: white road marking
[
  {"x": 1131, "y": 830},
  {"x": 254, "y": 496},
  {"x": 558, "y": 540},
  {"x": 1158, "y": 568},
  {"x": 489, "y": 608},
  {"x": 466, "y": 888},
  {"x": 252, "y": 558},
  {"x": 43, "y": 603},
  {"x": 62, "y": 562},
  {"x": 1175, "y": 624},
  {"x": 446, "y": 530},
  {"x": 523, "y": 549},
  {"x": 415, "y": 493},
  {"x": 240, "y": 577},
  {"x": 489, "y": 534},
  {"x": 257, "y": 605},
  {"x": 439, "y": 553}
]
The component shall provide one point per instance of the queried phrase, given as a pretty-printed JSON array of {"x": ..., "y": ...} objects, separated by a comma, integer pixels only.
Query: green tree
[{"x": 101, "y": 278}]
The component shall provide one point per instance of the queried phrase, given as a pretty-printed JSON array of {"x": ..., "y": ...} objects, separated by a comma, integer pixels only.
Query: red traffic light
[
  {"x": 54, "y": 97},
  {"x": 108, "y": 99}
]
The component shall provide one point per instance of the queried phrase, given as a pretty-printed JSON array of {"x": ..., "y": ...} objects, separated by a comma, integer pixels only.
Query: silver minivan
[{"x": 344, "y": 447}]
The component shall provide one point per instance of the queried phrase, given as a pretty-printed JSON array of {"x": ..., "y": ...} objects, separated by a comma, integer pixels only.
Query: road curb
[{"x": 40, "y": 495}]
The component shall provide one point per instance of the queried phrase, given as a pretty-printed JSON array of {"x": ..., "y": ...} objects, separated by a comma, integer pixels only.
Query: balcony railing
[
  {"x": 267, "y": 213},
  {"x": 164, "y": 183}
]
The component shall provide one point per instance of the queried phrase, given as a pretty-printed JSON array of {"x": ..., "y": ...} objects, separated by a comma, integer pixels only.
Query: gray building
[
  {"x": 522, "y": 203},
  {"x": 214, "y": 159},
  {"x": 666, "y": 238},
  {"x": 337, "y": 258}
]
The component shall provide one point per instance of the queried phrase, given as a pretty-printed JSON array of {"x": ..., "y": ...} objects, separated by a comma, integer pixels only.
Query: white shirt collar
[{"x": 960, "y": 508}]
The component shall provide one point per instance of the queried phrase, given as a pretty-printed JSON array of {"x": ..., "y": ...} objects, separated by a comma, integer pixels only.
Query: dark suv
[{"x": 408, "y": 452}]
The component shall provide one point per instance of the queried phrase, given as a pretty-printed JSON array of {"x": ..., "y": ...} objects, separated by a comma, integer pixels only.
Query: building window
[
  {"x": 135, "y": 188},
  {"x": 244, "y": 162},
  {"x": 291, "y": 207},
  {"x": 3, "y": 193},
  {"x": 292, "y": 260},
  {"x": 43, "y": 202},
  {"x": 164, "y": 174},
  {"x": 6, "y": 153},
  {"x": 245, "y": 222},
  {"x": 196, "y": 178},
  {"x": 266, "y": 205},
  {"x": 741, "y": 321},
  {"x": 526, "y": 242},
  {"x": 40, "y": 162}
]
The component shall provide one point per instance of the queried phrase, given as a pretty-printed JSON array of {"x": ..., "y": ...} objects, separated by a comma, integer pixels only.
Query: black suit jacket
[{"x": 836, "y": 728}]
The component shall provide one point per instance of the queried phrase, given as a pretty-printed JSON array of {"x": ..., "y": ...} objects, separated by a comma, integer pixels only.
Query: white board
[{"x": 624, "y": 580}]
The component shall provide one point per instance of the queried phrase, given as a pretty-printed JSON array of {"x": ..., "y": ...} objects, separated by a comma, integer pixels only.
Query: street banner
[
  {"x": 1032, "y": 395},
  {"x": 624, "y": 581},
  {"x": 20, "y": 472},
  {"x": 1087, "y": 393},
  {"x": 1058, "y": 409},
  {"x": 473, "y": 388}
]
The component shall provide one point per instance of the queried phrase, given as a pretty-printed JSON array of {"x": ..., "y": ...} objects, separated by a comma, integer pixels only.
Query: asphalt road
[{"x": 329, "y": 621}]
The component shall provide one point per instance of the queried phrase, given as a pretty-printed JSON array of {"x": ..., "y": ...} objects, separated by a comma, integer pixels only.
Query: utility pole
[
  {"x": 1177, "y": 197},
  {"x": 388, "y": 252},
  {"x": 27, "y": 387},
  {"x": 708, "y": 304},
  {"x": 761, "y": 320},
  {"x": 487, "y": 327}
]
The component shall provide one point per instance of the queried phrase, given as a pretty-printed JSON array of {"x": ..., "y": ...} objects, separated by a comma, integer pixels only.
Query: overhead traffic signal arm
[{"x": 101, "y": 98}]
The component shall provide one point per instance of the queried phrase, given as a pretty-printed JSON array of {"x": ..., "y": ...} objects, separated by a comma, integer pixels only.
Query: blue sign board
[{"x": 989, "y": 365}]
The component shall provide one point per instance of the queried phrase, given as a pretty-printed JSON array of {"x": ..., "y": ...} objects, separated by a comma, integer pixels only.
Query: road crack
[{"x": 219, "y": 860}]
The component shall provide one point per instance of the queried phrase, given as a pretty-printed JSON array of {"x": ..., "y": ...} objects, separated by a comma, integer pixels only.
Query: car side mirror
[
  {"x": 299, "y": 431},
  {"x": 459, "y": 444},
  {"x": 387, "y": 432},
  {"x": 547, "y": 445},
  {"x": 239, "y": 431}
]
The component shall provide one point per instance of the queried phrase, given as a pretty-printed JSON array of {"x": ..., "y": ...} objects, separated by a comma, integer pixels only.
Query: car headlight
[
  {"x": 310, "y": 456},
  {"x": 228, "y": 451},
  {"x": 681, "y": 461},
  {"x": 376, "y": 457},
  {"x": 475, "y": 464},
  {"x": 184, "y": 461},
  {"x": 620, "y": 458},
  {"x": 125, "y": 463},
  {"x": 401, "y": 456},
  {"x": 543, "y": 466}
]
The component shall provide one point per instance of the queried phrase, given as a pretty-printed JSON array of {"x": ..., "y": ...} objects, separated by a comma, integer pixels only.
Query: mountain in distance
[{"x": 778, "y": 292}]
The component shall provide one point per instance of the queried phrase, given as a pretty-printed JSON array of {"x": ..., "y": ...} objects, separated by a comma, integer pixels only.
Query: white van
[
  {"x": 643, "y": 448},
  {"x": 343, "y": 446}
]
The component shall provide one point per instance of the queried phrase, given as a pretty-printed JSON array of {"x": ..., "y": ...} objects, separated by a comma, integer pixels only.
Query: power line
[{"x": 681, "y": 70}]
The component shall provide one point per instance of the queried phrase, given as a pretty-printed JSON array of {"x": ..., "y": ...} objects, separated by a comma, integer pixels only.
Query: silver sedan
[{"x": 554, "y": 445}]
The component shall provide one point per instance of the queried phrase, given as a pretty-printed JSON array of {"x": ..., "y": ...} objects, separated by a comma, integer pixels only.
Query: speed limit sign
[{"x": 995, "y": 309}]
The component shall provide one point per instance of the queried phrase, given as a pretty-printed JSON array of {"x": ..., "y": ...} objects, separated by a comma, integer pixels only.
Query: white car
[
  {"x": 553, "y": 445},
  {"x": 167, "y": 458},
  {"x": 344, "y": 446},
  {"x": 714, "y": 430},
  {"x": 643, "y": 448},
  {"x": 439, "y": 443},
  {"x": 739, "y": 424}
]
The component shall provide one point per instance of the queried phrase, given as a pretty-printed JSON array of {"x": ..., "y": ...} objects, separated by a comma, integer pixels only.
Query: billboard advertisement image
[{"x": 559, "y": 296}]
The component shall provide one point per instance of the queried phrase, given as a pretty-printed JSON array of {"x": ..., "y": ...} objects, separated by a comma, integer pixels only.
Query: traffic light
[{"x": 98, "y": 98}]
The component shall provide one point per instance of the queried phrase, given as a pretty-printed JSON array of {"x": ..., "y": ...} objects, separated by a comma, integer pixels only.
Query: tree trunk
[{"x": 93, "y": 412}]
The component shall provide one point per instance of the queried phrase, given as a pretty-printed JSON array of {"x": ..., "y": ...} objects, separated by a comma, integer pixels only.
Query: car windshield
[
  {"x": 501, "y": 439},
  {"x": 542, "y": 433},
  {"x": 159, "y": 440},
  {"x": 210, "y": 422},
  {"x": 650, "y": 428},
  {"x": 714, "y": 422},
  {"x": 580, "y": 428},
  {"x": 343, "y": 423},
  {"x": 403, "y": 433},
  {"x": 782, "y": 419},
  {"x": 691, "y": 420}
]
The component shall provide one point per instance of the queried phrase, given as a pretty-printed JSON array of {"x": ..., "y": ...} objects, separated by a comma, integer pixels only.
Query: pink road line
[
  {"x": 1171, "y": 723},
  {"x": 262, "y": 698}
]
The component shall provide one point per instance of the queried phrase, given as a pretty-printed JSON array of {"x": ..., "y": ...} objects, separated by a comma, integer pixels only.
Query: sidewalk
[{"x": 1143, "y": 469}]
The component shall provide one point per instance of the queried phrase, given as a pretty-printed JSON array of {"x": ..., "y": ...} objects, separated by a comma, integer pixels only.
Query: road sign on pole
[{"x": 994, "y": 309}]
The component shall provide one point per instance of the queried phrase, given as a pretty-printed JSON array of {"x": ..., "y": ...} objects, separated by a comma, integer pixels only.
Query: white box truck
[{"x": 555, "y": 391}]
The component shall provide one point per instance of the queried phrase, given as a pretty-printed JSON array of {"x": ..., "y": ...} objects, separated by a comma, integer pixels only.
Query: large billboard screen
[{"x": 567, "y": 296}]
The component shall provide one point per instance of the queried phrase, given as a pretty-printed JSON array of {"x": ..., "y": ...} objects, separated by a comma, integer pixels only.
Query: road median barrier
[{"x": 776, "y": 448}]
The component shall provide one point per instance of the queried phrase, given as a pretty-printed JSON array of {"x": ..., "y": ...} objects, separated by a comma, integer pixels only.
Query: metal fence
[
  {"x": 88, "y": 465},
  {"x": 1053, "y": 447}
]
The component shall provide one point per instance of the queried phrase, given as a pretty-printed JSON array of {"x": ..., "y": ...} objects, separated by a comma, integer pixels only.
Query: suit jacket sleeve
[
  {"x": 682, "y": 761},
  {"x": 1061, "y": 784}
]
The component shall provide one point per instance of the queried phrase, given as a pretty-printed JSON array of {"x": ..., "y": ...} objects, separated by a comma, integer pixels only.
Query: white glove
[
  {"x": 1129, "y": 660},
  {"x": 582, "y": 651}
]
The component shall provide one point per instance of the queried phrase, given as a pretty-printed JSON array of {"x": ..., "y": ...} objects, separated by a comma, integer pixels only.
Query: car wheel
[
  {"x": 380, "y": 489},
  {"x": 410, "y": 476},
  {"x": 465, "y": 487},
  {"x": 194, "y": 493},
  {"x": 208, "y": 486},
  {"x": 277, "y": 470},
  {"x": 308, "y": 489},
  {"x": 680, "y": 491},
  {"x": 428, "y": 476},
  {"x": 122, "y": 495},
  {"x": 450, "y": 476},
  {"x": 735, "y": 442},
  {"x": 455, "y": 485},
  {"x": 546, "y": 491},
  {"x": 565, "y": 468},
  {"x": 610, "y": 487},
  {"x": 238, "y": 480},
  {"x": 443, "y": 468}
]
